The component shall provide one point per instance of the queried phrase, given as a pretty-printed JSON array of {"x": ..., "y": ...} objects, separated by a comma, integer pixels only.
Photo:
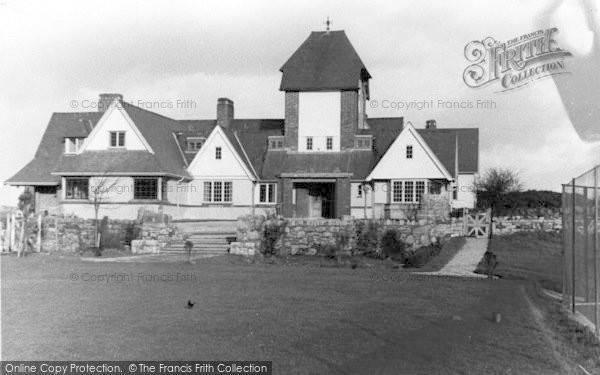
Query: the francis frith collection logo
[{"x": 514, "y": 63}]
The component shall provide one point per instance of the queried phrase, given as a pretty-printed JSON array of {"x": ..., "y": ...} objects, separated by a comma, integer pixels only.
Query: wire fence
[{"x": 581, "y": 242}]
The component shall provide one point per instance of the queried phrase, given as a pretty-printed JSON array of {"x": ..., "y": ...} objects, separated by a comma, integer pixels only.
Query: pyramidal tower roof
[{"x": 325, "y": 61}]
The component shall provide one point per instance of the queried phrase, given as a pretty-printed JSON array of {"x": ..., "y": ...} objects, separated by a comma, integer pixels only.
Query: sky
[{"x": 177, "y": 57}]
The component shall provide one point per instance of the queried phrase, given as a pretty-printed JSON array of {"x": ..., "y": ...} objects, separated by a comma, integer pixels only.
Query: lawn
[
  {"x": 531, "y": 255},
  {"x": 307, "y": 319}
]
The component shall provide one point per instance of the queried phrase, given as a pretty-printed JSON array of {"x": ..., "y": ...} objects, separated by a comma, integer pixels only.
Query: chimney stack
[
  {"x": 106, "y": 100},
  {"x": 224, "y": 112},
  {"x": 430, "y": 124}
]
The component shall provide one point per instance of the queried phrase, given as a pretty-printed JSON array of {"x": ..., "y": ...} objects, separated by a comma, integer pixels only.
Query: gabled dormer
[
  {"x": 326, "y": 87},
  {"x": 115, "y": 129}
]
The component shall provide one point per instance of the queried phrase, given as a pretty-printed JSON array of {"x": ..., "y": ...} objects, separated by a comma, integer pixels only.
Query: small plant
[
  {"x": 392, "y": 246},
  {"x": 366, "y": 239},
  {"x": 274, "y": 229},
  {"x": 489, "y": 263},
  {"x": 188, "y": 245},
  {"x": 422, "y": 255},
  {"x": 327, "y": 250}
]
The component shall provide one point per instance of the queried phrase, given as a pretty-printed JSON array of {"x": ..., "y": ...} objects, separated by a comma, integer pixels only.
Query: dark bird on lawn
[{"x": 190, "y": 304}]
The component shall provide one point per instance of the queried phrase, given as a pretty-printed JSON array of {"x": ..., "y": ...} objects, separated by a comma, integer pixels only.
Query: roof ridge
[
  {"x": 75, "y": 113},
  {"x": 151, "y": 112}
]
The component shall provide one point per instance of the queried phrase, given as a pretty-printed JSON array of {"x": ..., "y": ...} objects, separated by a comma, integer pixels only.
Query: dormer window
[
  {"x": 194, "y": 143},
  {"x": 275, "y": 143},
  {"x": 117, "y": 139},
  {"x": 329, "y": 143},
  {"x": 409, "y": 152},
  {"x": 309, "y": 143},
  {"x": 73, "y": 144},
  {"x": 363, "y": 142}
]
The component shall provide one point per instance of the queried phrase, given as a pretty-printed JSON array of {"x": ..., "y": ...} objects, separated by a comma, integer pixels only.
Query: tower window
[{"x": 309, "y": 143}]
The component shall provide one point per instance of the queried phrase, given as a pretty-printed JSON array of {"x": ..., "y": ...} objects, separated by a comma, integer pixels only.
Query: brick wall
[
  {"x": 349, "y": 118},
  {"x": 292, "y": 100}
]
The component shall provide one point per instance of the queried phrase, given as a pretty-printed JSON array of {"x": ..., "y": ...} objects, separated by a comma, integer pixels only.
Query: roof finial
[{"x": 327, "y": 23}]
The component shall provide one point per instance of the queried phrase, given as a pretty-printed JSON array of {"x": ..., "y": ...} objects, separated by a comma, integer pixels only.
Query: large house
[{"x": 326, "y": 158}]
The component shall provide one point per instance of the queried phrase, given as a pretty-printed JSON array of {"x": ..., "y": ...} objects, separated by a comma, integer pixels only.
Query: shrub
[
  {"x": 108, "y": 239},
  {"x": 392, "y": 246},
  {"x": 524, "y": 203},
  {"x": 422, "y": 255},
  {"x": 273, "y": 230},
  {"x": 327, "y": 250},
  {"x": 132, "y": 232},
  {"x": 366, "y": 239}
]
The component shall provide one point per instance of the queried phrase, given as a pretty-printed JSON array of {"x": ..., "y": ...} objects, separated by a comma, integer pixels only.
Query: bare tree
[
  {"x": 98, "y": 194},
  {"x": 493, "y": 185},
  {"x": 26, "y": 207}
]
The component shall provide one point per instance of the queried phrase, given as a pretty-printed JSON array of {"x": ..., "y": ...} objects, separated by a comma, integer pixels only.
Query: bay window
[{"x": 408, "y": 191}]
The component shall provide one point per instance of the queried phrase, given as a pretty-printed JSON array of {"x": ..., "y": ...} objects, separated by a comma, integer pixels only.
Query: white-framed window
[
  {"x": 77, "y": 188},
  {"x": 309, "y": 143},
  {"x": 73, "y": 144},
  {"x": 359, "y": 192},
  {"x": 408, "y": 191},
  {"x": 218, "y": 153},
  {"x": 218, "y": 191},
  {"x": 194, "y": 143},
  {"x": 276, "y": 143},
  {"x": 363, "y": 143},
  {"x": 117, "y": 139},
  {"x": 266, "y": 193},
  {"x": 409, "y": 152},
  {"x": 329, "y": 143},
  {"x": 145, "y": 188}
]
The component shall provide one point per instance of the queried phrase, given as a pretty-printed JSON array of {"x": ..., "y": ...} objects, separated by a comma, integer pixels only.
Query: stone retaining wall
[
  {"x": 508, "y": 225},
  {"x": 154, "y": 237},
  {"x": 305, "y": 235},
  {"x": 72, "y": 234}
]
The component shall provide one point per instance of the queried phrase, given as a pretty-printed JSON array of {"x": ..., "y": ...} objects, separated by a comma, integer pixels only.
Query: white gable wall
[
  {"x": 319, "y": 116},
  {"x": 466, "y": 196},
  {"x": 205, "y": 167},
  {"x": 115, "y": 120},
  {"x": 395, "y": 165},
  {"x": 205, "y": 163}
]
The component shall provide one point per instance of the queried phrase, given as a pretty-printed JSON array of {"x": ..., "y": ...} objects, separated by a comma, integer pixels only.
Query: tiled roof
[
  {"x": 248, "y": 136},
  {"x": 444, "y": 141},
  {"x": 356, "y": 164},
  {"x": 51, "y": 147},
  {"x": 109, "y": 162},
  {"x": 325, "y": 61},
  {"x": 158, "y": 132}
]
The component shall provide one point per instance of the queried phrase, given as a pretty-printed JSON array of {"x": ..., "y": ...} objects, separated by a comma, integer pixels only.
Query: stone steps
[{"x": 205, "y": 243}]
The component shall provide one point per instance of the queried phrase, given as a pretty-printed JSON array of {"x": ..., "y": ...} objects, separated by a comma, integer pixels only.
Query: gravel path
[{"x": 466, "y": 260}]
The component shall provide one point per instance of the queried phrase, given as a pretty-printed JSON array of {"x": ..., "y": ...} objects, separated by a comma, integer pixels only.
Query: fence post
[
  {"x": 12, "y": 231},
  {"x": 585, "y": 245},
  {"x": 564, "y": 245},
  {"x": 596, "y": 308},
  {"x": 39, "y": 234},
  {"x": 573, "y": 250},
  {"x": 6, "y": 244}
]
